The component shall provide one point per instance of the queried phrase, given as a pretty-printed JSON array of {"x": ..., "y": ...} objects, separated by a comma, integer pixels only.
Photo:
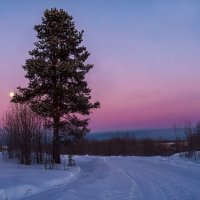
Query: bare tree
[{"x": 23, "y": 134}]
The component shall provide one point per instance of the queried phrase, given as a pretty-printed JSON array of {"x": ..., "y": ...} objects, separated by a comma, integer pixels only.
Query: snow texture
[{"x": 104, "y": 178}]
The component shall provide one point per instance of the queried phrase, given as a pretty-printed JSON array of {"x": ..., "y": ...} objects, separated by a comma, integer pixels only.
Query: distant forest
[{"x": 137, "y": 147}]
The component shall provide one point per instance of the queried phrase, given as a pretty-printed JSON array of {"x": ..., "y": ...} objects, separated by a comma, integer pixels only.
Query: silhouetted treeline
[{"x": 126, "y": 147}]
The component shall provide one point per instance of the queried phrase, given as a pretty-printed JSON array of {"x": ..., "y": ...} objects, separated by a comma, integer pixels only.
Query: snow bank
[{"x": 19, "y": 181}]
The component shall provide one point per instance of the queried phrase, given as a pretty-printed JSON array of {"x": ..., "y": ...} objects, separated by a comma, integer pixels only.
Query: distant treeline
[
  {"x": 129, "y": 146},
  {"x": 126, "y": 147}
]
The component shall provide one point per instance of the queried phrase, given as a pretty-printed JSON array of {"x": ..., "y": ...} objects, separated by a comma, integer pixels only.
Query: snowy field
[{"x": 105, "y": 178}]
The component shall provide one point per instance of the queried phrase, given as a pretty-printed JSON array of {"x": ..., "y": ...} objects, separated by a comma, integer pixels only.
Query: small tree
[
  {"x": 57, "y": 88},
  {"x": 22, "y": 128}
]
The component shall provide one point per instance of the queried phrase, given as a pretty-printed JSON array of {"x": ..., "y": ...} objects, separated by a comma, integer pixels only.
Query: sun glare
[{"x": 11, "y": 94}]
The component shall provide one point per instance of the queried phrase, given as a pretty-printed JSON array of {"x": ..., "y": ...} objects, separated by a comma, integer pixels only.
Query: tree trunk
[
  {"x": 56, "y": 149},
  {"x": 56, "y": 143}
]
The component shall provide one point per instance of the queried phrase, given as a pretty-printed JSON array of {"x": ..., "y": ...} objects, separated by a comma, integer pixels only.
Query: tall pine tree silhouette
[{"x": 57, "y": 89}]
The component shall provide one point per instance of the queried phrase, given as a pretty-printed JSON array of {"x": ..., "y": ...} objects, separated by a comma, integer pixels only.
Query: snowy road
[{"x": 129, "y": 178}]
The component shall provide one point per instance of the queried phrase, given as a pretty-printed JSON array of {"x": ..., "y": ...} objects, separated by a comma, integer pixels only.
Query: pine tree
[{"x": 57, "y": 89}]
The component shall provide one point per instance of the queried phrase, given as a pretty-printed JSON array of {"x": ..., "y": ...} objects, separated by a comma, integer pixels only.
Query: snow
[
  {"x": 104, "y": 178},
  {"x": 19, "y": 181}
]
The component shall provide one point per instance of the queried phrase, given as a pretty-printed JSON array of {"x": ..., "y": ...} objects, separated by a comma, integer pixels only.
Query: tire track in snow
[{"x": 155, "y": 181}]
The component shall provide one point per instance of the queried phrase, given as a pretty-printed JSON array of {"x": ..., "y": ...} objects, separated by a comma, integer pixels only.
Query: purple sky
[{"x": 145, "y": 54}]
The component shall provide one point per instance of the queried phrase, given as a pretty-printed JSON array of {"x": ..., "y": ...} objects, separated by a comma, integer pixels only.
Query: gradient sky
[{"x": 146, "y": 56}]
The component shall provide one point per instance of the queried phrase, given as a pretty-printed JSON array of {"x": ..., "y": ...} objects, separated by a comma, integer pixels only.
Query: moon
[{"x": 11, "y": 94}]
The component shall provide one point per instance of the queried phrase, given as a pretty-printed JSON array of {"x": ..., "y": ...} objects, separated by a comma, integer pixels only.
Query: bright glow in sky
[
  {"x": 145, "y": 53},
  {"x": 11, "y": 94}
]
